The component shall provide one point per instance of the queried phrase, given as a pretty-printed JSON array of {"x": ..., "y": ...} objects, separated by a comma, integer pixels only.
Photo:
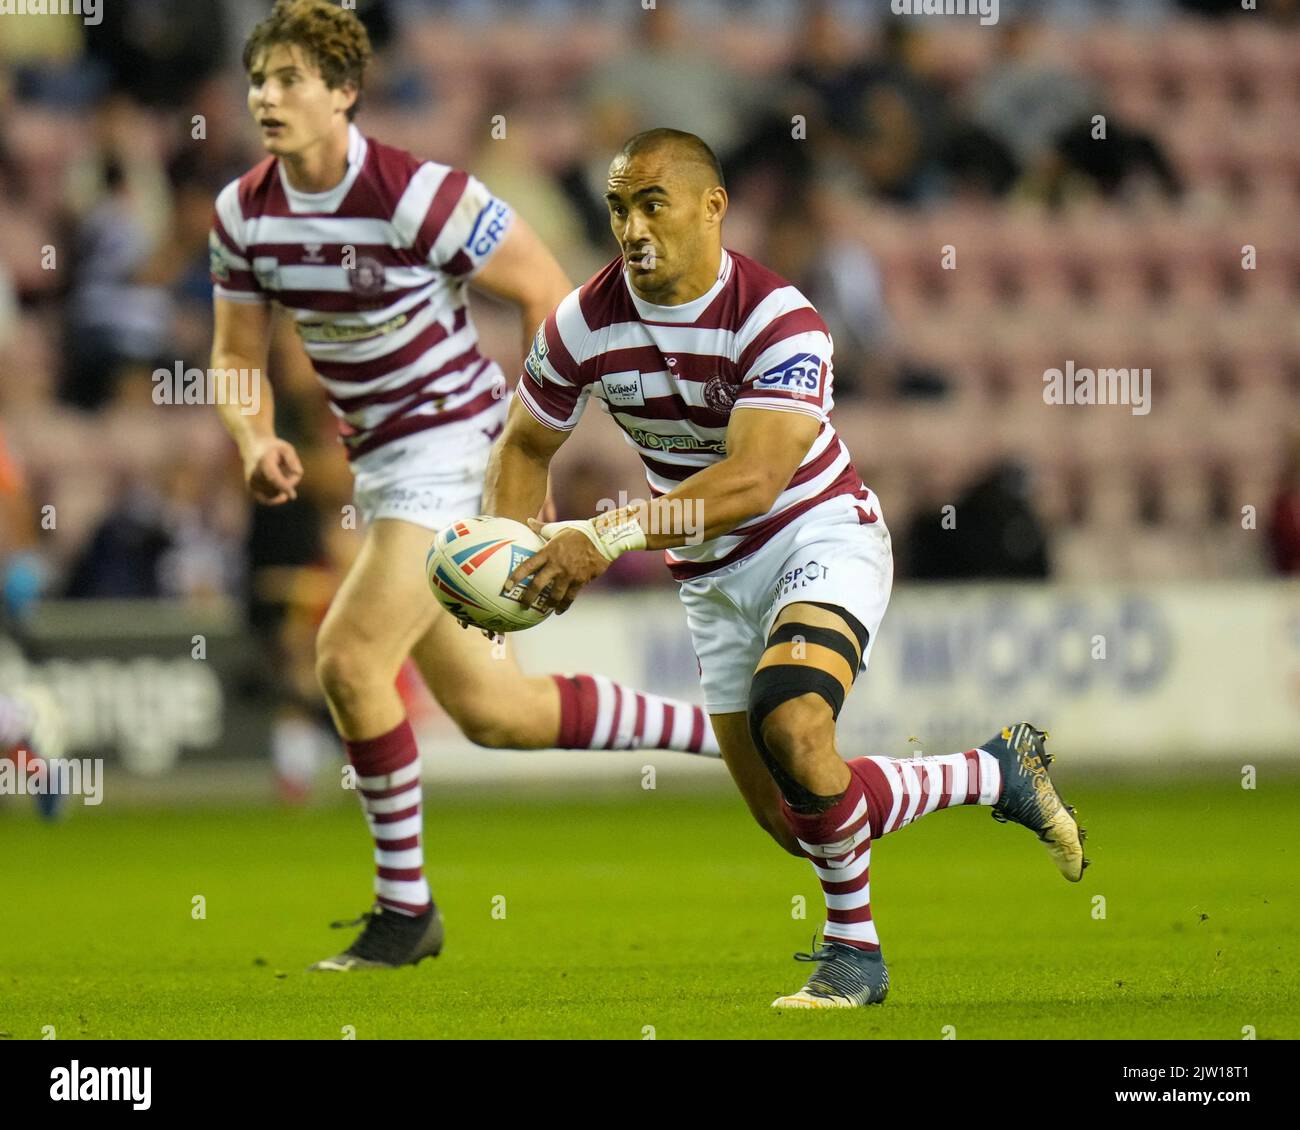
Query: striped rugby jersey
[
  {"x": 672, "y": 375},
  {"x": 374, "y": 272}
]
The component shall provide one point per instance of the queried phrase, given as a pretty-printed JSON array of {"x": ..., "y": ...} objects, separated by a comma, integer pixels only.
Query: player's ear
[
  {"x": 348, "y": 92},
  {"x": 715, "y": 204}
]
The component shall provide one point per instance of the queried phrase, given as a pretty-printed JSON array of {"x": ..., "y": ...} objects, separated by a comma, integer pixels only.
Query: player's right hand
[{"x": 273, "y": 471}]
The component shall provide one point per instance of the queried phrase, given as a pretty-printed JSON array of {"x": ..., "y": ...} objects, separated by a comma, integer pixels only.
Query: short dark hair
[
  {"x": 334, "y": 38},
  {"x": 692, "y": 147}
]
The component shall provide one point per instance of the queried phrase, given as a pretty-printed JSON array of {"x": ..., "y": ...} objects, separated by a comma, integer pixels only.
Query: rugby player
[
  {"x": 720, "y": 373},
  {"x": 370, "y": 250}
]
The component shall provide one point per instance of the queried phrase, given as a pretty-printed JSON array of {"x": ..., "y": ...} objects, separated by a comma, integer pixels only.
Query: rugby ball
[{"x": 467, "y": 567}]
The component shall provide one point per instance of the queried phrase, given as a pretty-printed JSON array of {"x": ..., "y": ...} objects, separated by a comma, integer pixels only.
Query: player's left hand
[{"x": 563, "y": 565}]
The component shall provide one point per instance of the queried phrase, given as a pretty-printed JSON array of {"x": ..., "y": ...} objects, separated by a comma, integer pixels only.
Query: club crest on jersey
[
  {"x": 718, "y": 394},
  {"x": 801, "y": 373},
  {"x": 367, "y": 277},
  {"x": 623, "y": 390}
]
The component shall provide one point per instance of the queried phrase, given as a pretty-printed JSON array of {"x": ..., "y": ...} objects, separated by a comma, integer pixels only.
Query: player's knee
[
  {"x": 799, "y": 729},
  {"x": 790, "y": 717},
  {"x": 343, "y": 672}
]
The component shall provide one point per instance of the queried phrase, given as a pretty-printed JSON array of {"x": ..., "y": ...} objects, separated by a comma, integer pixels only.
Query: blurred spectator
[
  {"x": 664, "y": 79},
  {"x": 1284, "y": 517},
  {"x": 121, "y": 207},
  {"x": 22, "y": 570},
  {"x": 997, "y": 534},
  {"x": 1042, "y": 113},
  {"x": 158, "y": 51},
  {"x": 1026, "y": 99},
  {"x": 158, "y": 542}
]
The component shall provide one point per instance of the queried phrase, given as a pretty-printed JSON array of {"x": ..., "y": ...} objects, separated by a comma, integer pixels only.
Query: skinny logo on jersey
[
  {"x": 801, "y": 373},
  {"x": 623, "y": 389}
]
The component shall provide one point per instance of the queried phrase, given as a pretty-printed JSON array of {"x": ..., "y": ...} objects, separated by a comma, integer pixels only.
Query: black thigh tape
[
  {"x": 782, "y": 682},
  {"x": 826, "y": 637},
  {"x": 855, "y": 625}
]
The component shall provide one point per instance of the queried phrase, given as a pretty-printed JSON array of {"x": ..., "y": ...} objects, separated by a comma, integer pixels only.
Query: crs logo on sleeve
[
  {"x": 488, "y": 229},
  {"x": 801, "y": 373}
]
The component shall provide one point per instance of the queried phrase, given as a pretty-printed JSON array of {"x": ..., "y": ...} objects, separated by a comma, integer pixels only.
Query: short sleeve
[
  {"x": 465, "y": 224},
  {"x": 787, "y": 365},
  {"x": 228, "y": 266},
  {"x": 551, "y": 386}
]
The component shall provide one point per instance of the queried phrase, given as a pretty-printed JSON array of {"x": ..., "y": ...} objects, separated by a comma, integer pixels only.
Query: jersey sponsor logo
[
  {"x": 329, "y": 332},
  {"x": 536, "y": 355},
  {"x": 799, "y": 578},
  {"x": 488, "y": 228},
  {"x": 718, "y": 394},
  {"x": 623, "y": 390},
  {"x": 801, "y": 373},
  {"x": 311, "y": 253},
  {"x": 367, "y": 277},
  {"x": 656, "y": 442}
]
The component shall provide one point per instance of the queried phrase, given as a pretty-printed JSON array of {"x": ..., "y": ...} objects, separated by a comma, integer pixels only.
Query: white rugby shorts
[
  {"x": 826, "y": 556},
  {"x": 429, "y": 478}
]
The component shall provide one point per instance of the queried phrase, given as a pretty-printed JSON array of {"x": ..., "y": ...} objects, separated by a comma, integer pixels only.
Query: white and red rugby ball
[{"x": 467, "y": 567}]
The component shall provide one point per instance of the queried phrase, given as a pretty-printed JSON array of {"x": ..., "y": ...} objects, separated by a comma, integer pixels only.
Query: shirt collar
[
  {"x": 331, "y": 198},
  {"x": 688, "y": 311}
]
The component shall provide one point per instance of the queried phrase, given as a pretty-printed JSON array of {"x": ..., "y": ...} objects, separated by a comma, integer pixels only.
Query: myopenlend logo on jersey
[{"x": 623, "y": 389}]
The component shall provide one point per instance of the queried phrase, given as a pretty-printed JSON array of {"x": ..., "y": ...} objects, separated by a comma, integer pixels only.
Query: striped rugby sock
[
  {"x": 598, "y": 713},
  {"x": 903, "y": 789},
  {"x": 838, "y": 844},
  {"x": 388, "y": 783}
]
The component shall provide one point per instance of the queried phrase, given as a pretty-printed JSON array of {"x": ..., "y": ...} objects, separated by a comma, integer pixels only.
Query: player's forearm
[
  {"x": 246, "y": 426},
  {"x": 515, "y": 486},
  {"x": 712, "y": 502}
]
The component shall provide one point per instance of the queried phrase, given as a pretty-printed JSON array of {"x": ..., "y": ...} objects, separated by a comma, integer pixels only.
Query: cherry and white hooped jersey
[
  {"x": 672, "y": 375},
  {"x": 374, "y": 273}
]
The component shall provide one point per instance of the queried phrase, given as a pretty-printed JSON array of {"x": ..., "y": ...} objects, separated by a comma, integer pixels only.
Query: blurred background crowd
[{"x": 867, "y": 155}]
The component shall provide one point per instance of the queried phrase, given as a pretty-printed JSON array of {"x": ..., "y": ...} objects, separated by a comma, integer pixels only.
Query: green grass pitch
[{"x": 659, "y": 913}]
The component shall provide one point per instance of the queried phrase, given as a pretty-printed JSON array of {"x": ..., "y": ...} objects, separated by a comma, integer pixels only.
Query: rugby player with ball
[{"x": 720, "y": 373}]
